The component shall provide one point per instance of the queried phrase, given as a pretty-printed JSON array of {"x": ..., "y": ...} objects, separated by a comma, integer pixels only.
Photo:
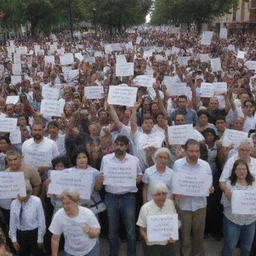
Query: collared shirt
[
  {"x": 27, "y": 216},
  {"x": 151, "y": 176},
  {"x": 39, "y": 155},
  {"x": 151, "y": 209},
  {"x": 192, "y": 203},
  {"x": 229, "y": 165},
  {"x": 190, "y": 115},
  {"x": 128, "y": 159}
]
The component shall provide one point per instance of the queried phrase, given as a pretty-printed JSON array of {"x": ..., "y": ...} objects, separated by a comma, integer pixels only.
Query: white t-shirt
[{"x": 77, "y": 242}]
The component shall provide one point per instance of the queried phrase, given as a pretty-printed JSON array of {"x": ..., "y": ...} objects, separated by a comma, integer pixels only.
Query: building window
[{"x": 234, "y": 13}]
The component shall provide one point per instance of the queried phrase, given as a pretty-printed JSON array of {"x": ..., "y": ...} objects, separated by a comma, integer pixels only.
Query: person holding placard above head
[
  {"x": 79, "y": 226},
  {"x": 191, "y": 197},
  {"x": 27, "y": 224},
  {"x": 120, "y": 173},
  {"x": 156, "y": 173},
  {"x": 237, "y": 226},
  {"x": 39, "y": 150},
  {"x": 156, "y": 240}
]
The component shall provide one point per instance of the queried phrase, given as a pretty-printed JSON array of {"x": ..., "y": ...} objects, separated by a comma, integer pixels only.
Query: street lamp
[{"x": 94, "y": 18}]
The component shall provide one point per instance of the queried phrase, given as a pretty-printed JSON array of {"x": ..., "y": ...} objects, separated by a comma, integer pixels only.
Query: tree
[{"x": 190, "y": 11}]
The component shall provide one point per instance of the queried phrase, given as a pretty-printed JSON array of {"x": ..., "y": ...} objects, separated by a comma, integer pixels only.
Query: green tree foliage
[
  {"x": 119, "y": 13},
  {"x": 189, "y": 11}
]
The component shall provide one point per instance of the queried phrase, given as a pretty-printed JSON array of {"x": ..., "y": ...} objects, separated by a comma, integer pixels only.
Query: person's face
[
  {"x": 239, "y": 124},
  {"x": 17, "y": 108},
  {"x": 203, "y": 119},
  {"x": 37, "y": 132},
  {"x": 10, "y": 110},
  {"x": 243, "y": 97},
  {"x": 146, "y": 106},
  {"x": 103, "y": 116},
  {"x": 93, "y": 129},
  {"x": 193, "y": 153},
  {"x": 120, "y": 148},
  {"x": 161, "y": 121},
  {"x": 68, "y": 110},
  {"x": 68, "y": 205},
  {"x": 220, "y": 125},
  {"x": 244, "y": 151},
  {"x": 159, "y": 199},
  {"x": 154, "y": 108},
  {"x": 248, "y": 108},
  {"x": 241, "y": 172},
  {"x": 4, "y": 146},
  {"x": 147, "y": 125},
  {"x": 14, "y": 161},
  {"x": 162, "y": 159},
  {"x": 22, "y": 121},
  {"x": 59, "y": 166},
  {"x": 81, "y": 161},
  {"x": 213, "y": 104},
  {"x": 209, "y": 137},
  {"x": 182, "y": 103},
  {"x": 53, "y": 130},
  {"x": 179, "y": 120}
]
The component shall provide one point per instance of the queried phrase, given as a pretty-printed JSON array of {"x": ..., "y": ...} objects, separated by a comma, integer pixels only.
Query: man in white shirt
[
  {"x": 120, "y": 198},
  {"x": 192, "y": 209},
  {"x": 39, "y": 150}
]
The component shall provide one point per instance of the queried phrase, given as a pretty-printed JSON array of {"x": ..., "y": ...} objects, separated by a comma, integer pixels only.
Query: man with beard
[
  {"x": 192, "y": 209},
  {"x": 120, "y": 197},
  {"x": 39, "y": 151}
]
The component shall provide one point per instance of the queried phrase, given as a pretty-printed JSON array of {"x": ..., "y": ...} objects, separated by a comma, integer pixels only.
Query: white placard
[
  {"x": 151, "y": 140},
  {"x": 93, "y": 92},
  {"x": 183, "y": 60},
  {"x": 15, "y": 136},
  {"x": 223, "y": 33},
  {"x": 72, "y": 74},
  {"x": 12, "y": 99},
  {"x": 121, "y": 59},
  {"x": 250, "y": 64},
  {"x": 144, "y": 80},
  {"x": 179, "y": 134},
  {"x": 206, "y": 38},
  {"x": 204, "y": 57},
  {"x": 231, "y": 48},
  {"x": 206, "y": 90},
  {"x": 216, "y": 65},
  {"x": 191, "y": 184},
  {"x": 244, "y": 202},
  {"x": 8, "y": 124},
  {"x": 162, "y": 227},
  {"x": 16, "y": 69},
  {"x": 12, "y": 184},
  {"x": 147, "y": 54},
  {"x": 79, "y": 56},
  {"x": 233, "y": 137},
  {"x": 67, "y": 59},
  {"x": 125, "y": 69},
  {"x": 15, "y": 80},
  {"x": 241, "y": 54},
  {"x": 51, "y": 107},
  {"x": 38, "y": 158},
  {"x": 121, "y": 175},
  {"x": 79, "y": 180},
  {"x": 124, "y": 96},
  {"x": 168, "y": 80},
  {"x": 176, "y": 88},
  {"x": 220, "y": 87},
  {"x": 50, "y": 93},
  {"x": 138, "y": 40},
  {"x": 49, "y": 60}
]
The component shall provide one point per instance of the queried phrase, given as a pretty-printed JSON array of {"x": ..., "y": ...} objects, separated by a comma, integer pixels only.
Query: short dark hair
[
  {"x": 182, "y": 97},
  {"x": 123, "y": 139},
  {"x": 203, "y": 112},
  {"x": 6, "y": 138},
  {"x": 209, "y": 130},
  {"x": 61, "y": 159},
  {"x": 25, "y": 116},
  {"x": 191, "y": 142},
  {"x": 38, "y": 123},
  {"x": 220, "y": 118},
  {"x": 53, "y": 123},
  {"x": 78, "y": 151},
  {"x": 147, "y": 118},
  {"x": 233, "y": 178}
]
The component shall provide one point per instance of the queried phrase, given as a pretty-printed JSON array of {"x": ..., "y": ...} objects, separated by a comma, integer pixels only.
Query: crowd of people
[{"x": 93, "y": 135}]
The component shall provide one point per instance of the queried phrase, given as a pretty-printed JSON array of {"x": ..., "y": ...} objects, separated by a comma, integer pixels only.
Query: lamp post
[
  {"x": 94, "y": 18},
  {"x": 70, "y": 19}
]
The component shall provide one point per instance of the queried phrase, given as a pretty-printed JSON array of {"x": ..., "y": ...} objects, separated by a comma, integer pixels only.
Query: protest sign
[
  {"x": 93, "y": 92},
  {"x": 125, "y": 69},
  {"x": 216, "y": 65},
  {"x": 12, "y": 99},
  {"x": 67, "y": 59},
  {"x": 206, "y": 38},
  {"x": 8, "y": 124},
  {"x": 51, "y": 107},
  {"x": 223, "y": 33},
  {"x": 50, "y": 93},
  {"x": 144, "y": 80},
  {"x": 233, "y": 137},
  {"x": 179, "y": 134},
  {"x": 220, "y": 87}
]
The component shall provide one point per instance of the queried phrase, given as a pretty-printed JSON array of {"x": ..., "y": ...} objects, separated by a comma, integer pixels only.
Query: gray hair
[
  {"x": 14, "y": 151},
  {"x": 247, "y": 141},
  {"x": 162, "y": 150},
  {"x": 159, "y": 187},
  {"x": 72, "y": 194}
]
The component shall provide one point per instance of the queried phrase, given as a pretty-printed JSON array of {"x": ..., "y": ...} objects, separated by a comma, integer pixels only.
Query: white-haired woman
[
  {"x": 79, "y": 226},
  {"x": 160, "y": 205},
  {"x": 158, "y": 172}
]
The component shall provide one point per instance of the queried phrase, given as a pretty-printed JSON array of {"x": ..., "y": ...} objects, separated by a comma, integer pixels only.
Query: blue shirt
[{"x": 190, "y": 115}]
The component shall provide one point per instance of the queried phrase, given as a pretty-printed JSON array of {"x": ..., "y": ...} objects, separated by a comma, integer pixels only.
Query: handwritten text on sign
[
  {"x": 124, "y": 96},
  {"x": 162, "y": 227},
  {"x": 179, "y": 134},
  {"x": 243, "y": 202},
  {"x": 12, "y": 184},
  {"x": 191, "y": 185},
  {"x": 79, "y": 180},
  {"x": 123, "y": 175}
]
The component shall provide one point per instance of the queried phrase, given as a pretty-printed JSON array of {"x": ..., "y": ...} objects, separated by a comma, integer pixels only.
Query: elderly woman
[
  {"x": 79, "y": 226},
  {"x": 160, "y": 205},
  {"x": 158, "y": 172}
]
